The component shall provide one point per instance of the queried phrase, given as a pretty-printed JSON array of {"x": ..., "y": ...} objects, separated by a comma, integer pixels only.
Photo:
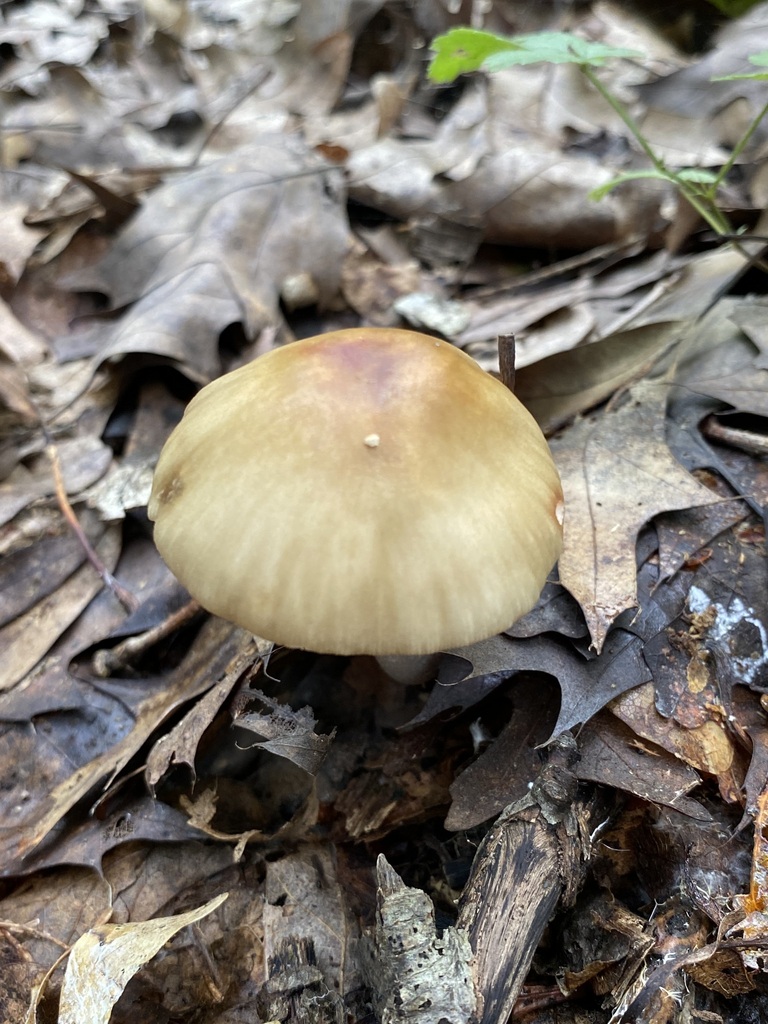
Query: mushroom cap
[{"x": 366, "y": 491}]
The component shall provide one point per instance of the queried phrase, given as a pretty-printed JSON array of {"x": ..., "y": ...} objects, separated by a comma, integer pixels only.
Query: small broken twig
[
  {"x": 127, "y": 599},
  {"x": 507, "y": 360},
  {"x": 105, "y": 662}
]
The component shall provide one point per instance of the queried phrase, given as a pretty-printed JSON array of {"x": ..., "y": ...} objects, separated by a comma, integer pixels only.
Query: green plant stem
[
  {"x": 704, "y": 207},
  {"x": 725, "y": 170},
  {"x": 625, "y": 116}
]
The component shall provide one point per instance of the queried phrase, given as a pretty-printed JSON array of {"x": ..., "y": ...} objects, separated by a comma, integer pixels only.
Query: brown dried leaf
[
  {"x": 179, "y": 746},
  {"x": 684, "y": 535},
  {"x": 705, "y": 747},
  {"x": 31, "y": 571},
  {"x": 547, "y": 308},
  {"x": 83, "y": 461},
  {"x": 15, "y": 397},
  {"x": 751, "y": 316},
  {"x": 617, "y": 473},
  {"x": 27, "y": 638},
  {"x": 632, "y": 341},
  {"x": 521, "y": 190},
  {"x": 558, "y": 387},
  {"x": 746, "y": 390},
  {"x": 722, "y": 971},
  {"x": 131, "y": 711},
  {"x": 88, "y": 842},
  {"x": 469, "y": 674},
  {"x": 19, "y": 975},
  {"x": 148, "y": 878},
  {"x": 214, "y": 246},
  {"x": 612, "y": 756},
  {"x": 372, "y": 285},
  {"x": 720, "y": 637},
  {"x": 286, "y": 732},
  {"x": 159, "y": 595},
  {"x": 687, "y": 118},
  {"x": 17, "y": 242},
  {"x": 502, "y": 774},
  {"x": 62, "y": 904},
  {"x": 556, "y": 611},
  {"x": 18, "y": 342},
  {"x": 52, "y": 33}
]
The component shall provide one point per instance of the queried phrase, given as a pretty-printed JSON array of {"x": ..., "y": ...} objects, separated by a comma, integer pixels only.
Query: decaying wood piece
[
  {"x": 416, "y": 976},
  {"x": 296, "y": 990},
  {"x": 531, "y": 861},
  {"x": 306, "y": 908}
]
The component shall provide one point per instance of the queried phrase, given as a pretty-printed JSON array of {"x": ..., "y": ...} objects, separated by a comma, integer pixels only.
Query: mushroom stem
[{"x": 409, "y": 669}]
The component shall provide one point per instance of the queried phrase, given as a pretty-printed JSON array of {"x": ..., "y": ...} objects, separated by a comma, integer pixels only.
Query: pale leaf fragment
[{"x": 105, "y": 959}]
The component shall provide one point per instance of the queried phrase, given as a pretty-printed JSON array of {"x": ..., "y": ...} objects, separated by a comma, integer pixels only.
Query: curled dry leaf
[
  {"x": 469, "y": 674},
  {"x": 48, "y": 913},
  {"x": 287, "y": 733},
  {"x": 561, "y": 386},
  {"x": 502, "y": 773},
  {"x": 669, "y": 299},
  {"x": 522, "y": 189},
  {"x": 88, "y": 843},
  {"x": 684, "y": 110},
  {"x": 84, "y": 460},
  {"x": 746, "y": 389}
]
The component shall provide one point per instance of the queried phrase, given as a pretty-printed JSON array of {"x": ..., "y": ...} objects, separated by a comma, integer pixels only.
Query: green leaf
[
  {"x": 462, "y": 50},
  {"x": 466, "y": 49},
  {"x": 733, "y": 8},
  {"x": 556, "y": 48}
]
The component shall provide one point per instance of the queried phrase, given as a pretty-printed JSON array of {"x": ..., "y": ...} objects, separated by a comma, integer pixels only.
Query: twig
[
  {"x": 746, "y": 440},
  {"x": 104, "y": 662},
  {"x": 507, "y": 360},
  {"x": 124, "y": 596}
]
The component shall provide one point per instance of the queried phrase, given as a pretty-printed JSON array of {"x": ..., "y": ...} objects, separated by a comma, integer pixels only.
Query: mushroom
[{"x": 368, "y": 491}]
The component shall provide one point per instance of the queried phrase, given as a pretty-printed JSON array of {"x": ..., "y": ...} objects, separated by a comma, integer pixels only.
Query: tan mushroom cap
[{"x": 366, "y": 491}]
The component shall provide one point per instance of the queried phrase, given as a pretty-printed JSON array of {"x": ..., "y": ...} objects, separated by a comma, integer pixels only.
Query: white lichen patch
[{"x": 727, "y": 629}]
